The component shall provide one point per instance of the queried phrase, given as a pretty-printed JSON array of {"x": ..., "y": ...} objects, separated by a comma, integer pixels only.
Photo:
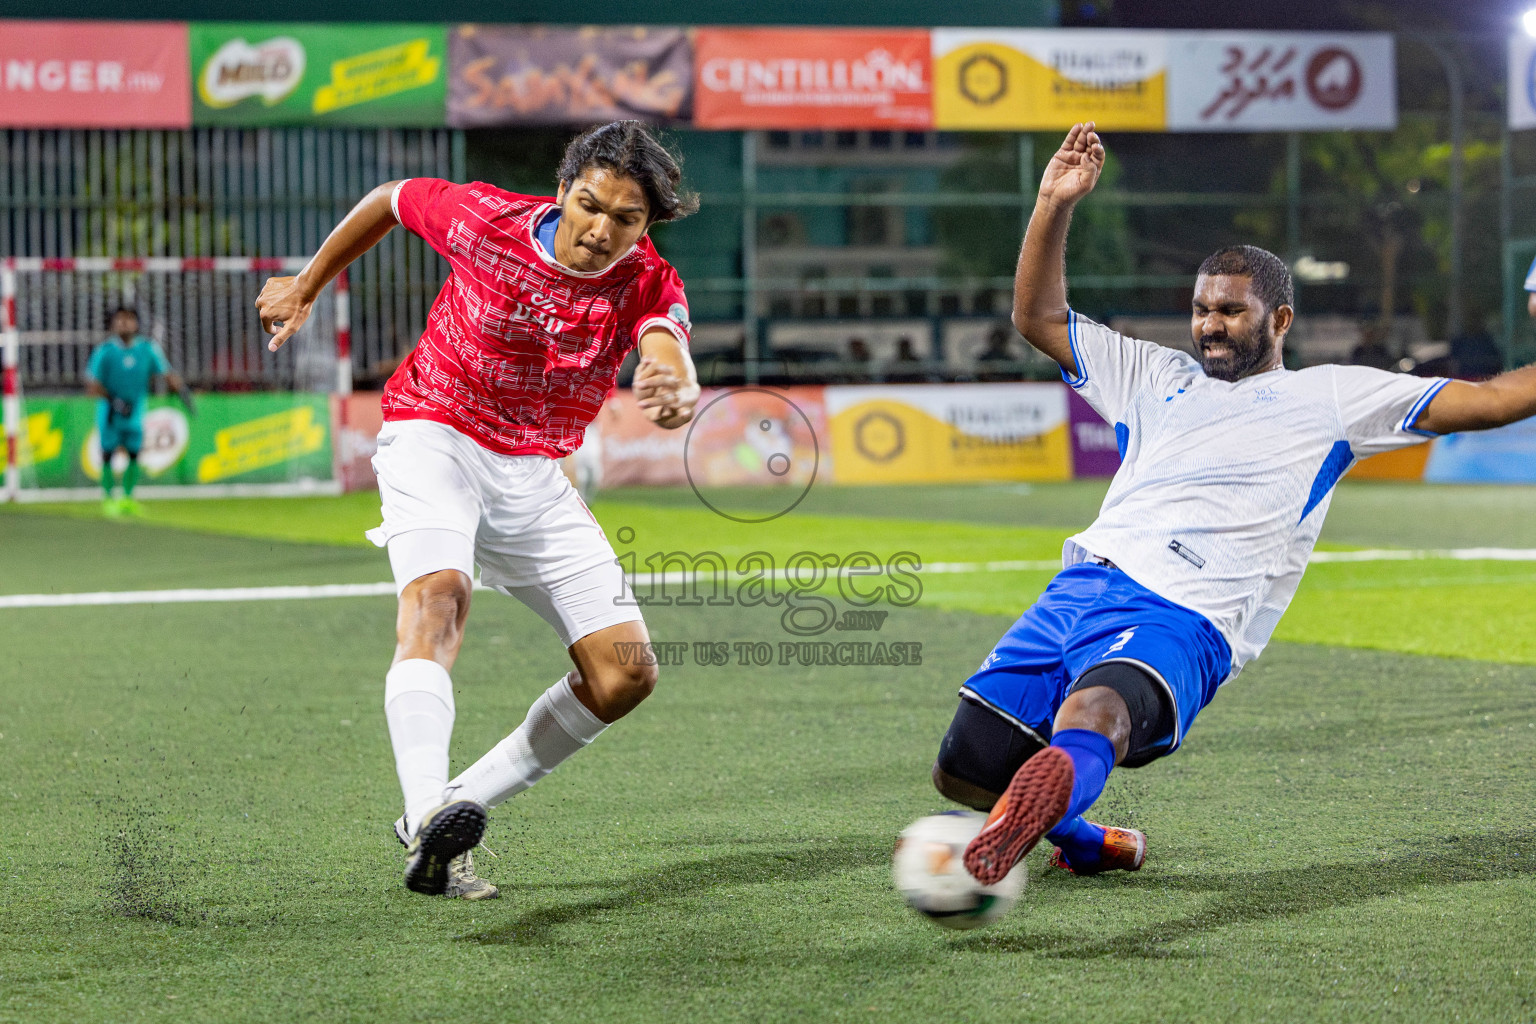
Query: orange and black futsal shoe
[
  {"x": 1033, "y": 803},
  {"x": 1123, "y": 849}
]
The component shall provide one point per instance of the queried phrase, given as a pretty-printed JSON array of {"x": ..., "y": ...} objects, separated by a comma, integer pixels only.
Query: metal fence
[{"x": 209, "y": 193}]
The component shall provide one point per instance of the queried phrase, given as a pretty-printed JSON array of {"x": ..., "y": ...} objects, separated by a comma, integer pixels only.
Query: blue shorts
[
  {"x": 1092, "y": 614},
  {"x": 126, "y": 432}
]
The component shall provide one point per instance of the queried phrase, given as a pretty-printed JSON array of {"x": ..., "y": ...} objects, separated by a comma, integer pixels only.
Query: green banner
[
  {"x": 262, "y": 437},
  {"x": 276, "y": 73}
]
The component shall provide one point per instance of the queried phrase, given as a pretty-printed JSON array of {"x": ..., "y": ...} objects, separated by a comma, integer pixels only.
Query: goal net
[{"x": 263, "y": 422}]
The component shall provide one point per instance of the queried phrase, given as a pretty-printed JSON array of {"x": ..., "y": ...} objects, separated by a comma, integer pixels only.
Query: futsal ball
[{"x": 929, "y": 866}]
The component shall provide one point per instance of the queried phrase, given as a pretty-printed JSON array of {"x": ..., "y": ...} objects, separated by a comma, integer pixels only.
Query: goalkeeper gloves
[
  {"x": 185, "y": 394},
  {"x": 121, "y": 407}
]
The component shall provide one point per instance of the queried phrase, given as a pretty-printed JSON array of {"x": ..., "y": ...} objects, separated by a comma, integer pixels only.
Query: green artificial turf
[{"x": 198, "y": 800}]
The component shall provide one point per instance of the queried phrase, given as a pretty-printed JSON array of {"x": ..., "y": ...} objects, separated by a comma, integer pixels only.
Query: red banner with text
[
  {"x": 94, "y": 74},
  {"x": 813, "y": 78}
]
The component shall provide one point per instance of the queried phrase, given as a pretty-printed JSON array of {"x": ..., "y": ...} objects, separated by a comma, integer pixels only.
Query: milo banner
[
  {"x": 1025, "y": 80},
  {"x": 266, "y": 73},
  {"x": 262, "y": 437},
  {"x": 949, "y": 433},
  {"x": 541, "y": 74}
]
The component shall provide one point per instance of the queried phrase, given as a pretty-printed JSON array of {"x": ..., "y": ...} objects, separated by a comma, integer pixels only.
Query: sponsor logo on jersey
[
  {"x": 678, "y": 314},
  {"x": 1189, "y": 556}
]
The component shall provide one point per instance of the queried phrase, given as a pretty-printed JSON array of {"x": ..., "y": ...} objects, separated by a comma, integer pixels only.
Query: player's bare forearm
[
  {"x": 95, "y": 390},
  {"x": 285, "y": 302},
  {"x": 360, "y": 230},
  {"x": 1040, "y": 310},
  {"x": 1465, "y": 405},
  {"x": 666, "y": 386}
]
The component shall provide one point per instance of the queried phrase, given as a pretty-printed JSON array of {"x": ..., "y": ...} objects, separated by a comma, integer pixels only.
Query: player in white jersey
[{"x": 1229, "y": 462}]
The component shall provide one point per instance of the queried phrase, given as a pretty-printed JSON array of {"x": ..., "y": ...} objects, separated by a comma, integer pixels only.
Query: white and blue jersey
[
  {"x": 1223, "y": 487},
  {"x": 1219, "y": 499}
]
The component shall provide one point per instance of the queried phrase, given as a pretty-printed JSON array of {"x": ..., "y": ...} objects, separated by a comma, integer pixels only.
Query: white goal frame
[{"x": 10, "y": 355}]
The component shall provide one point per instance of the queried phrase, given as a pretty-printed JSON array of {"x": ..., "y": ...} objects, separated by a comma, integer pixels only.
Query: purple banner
[
  {"x": 1094, "y": 449},
  {"x": 537, "y": 74}
]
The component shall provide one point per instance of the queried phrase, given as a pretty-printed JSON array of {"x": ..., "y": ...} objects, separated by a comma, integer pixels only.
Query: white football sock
[
  {"x": 418, "y": 703},
  {"x": 557, "y": 726}
]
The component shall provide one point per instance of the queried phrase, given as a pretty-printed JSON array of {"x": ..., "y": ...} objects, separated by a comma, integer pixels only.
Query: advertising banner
[
  {"x": 1049, "y": 79},
  {"x": 949, "y": 433},
  {"x": 358, "y": 419},
  {"x": 1281, "y": 81},
  {"x": 264, "y": 73},
  {"x": 812, "y": 78},
  {"x": 1522, "y": 81},
  {"x": 541, "y": 74},
  {"x": 1506, "y": 455},
  {"x": 261, "y": 437},
  {"x": 94, "y": 74},
  {"x": 1402, "y": 464},
  {"x": 739, "y": 437},
  {"x": 1095, "y": 446}
]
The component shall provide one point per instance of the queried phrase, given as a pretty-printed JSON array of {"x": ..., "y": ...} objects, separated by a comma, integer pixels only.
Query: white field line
[{"x": 307, "y": 592}]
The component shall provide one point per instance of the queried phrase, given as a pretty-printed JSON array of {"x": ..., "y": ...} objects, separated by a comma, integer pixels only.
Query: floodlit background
[{"x": 194, "y": 770}]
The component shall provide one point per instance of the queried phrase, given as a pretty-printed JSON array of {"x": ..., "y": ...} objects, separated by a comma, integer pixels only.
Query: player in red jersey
[{"x": 546, "y": 298}]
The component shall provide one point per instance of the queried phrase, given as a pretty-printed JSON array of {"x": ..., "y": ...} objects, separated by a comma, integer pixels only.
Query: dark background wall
[{"x": 654, "y": 12}]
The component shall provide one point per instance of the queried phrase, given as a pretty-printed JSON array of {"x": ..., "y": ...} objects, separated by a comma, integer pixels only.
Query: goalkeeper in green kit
[{"x": 120, "y": 374}]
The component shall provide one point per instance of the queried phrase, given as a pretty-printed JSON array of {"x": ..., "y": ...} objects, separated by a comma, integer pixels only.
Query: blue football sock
[
  {"x": 1092, "y": 757},
  {"x": 1077, "y": 836}
]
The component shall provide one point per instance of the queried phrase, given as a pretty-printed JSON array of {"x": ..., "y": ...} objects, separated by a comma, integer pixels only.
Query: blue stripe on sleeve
[
  {"x": 1081, "y": 378},
  {"x": 1419, "y": 407}
]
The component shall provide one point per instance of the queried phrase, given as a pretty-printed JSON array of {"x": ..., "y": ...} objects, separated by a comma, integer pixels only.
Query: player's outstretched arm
[
  {"x": 285, "y": 302},
  {"x": 1465, "y": 405},
  {"x": 666, "y": 387},
  {"x": 1040, "y": 309}
]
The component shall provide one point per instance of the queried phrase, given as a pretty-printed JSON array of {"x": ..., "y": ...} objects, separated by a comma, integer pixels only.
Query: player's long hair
[{"x": 628, "y": 148}]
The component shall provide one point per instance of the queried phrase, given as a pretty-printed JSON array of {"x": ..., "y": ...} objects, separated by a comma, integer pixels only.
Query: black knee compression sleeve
[
  {"x": 982, "y": 750},
  {"x": 1150, "y": 709}
]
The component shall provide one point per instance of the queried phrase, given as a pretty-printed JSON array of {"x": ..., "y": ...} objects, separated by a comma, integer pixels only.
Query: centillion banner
[
  {"x": 949, "y": 433},
  {"x": 1027, "y": 80}
]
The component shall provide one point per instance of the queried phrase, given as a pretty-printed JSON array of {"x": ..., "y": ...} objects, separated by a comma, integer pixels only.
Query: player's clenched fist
[
  {"x": 1075, "y": 167},
  {"x": 667, "y": 399},
  {"x": 283, "y": 307}
]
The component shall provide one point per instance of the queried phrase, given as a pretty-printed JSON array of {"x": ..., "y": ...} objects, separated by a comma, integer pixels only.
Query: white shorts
[{"x": 448, "y": 503}]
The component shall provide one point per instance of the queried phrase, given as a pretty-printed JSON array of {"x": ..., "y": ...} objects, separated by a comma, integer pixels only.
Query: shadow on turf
[
  {"x": 688, "y": 880},
  {"x": 1263, "y": 895}
]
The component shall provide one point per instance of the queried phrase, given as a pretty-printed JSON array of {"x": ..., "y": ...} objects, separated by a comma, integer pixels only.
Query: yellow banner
[
  {"x": 949, "y": 433},
  {"x": 1033, "y": 80},
  {"x": 265, "y": 441},
  {"x": 374, "y": 75},
  {"x": 43, "y": 442}
]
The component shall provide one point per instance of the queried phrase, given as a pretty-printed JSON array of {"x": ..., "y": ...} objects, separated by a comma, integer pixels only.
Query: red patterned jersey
[{"x": 520, "y": 351}]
